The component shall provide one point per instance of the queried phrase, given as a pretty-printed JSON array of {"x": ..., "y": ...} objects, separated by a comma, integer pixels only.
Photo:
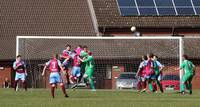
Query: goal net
[{"x": 113, "y": 55}]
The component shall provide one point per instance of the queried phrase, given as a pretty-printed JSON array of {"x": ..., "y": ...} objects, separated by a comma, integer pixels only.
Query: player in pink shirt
[
  {"x": 150, "y": 73},
  {"x": 141, "y": 86},
  {"x": 76, "y": 70}
]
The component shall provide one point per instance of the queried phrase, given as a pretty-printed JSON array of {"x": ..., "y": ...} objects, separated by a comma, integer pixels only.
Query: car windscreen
[
  {"x": 127, "y": 76},
  {"x": 171, "y": 77}
]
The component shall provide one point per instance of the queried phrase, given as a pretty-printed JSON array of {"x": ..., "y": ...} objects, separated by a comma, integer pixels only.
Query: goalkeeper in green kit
[
  {"x": 89, "y": 70},
  {"x": 189, "y": 72}
]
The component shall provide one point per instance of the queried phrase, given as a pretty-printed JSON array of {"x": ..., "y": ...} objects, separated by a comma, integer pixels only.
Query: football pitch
[{"x": 100, "y": 98}]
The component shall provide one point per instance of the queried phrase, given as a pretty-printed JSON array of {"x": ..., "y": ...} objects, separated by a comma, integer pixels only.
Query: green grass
[{"x": 100, "y": 98}]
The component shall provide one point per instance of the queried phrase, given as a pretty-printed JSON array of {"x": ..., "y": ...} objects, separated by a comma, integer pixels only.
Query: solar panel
[
  {"x": 182, "y": 3},
  {"x": 148, "y": 11},
  {"x": 198, "y": 11},
  {"x": 166, "y": 11},
  {"x": 196, "y": 2},
  {"x": 185, "y": 11},
  {"x": 161, "y": 3},
  {"x": 146, "y": 7},
  {"x": 145, "y": 3},
  {"x": 126, "y": 2},
  {"x": 184, "y": 7},
  {"x": 128, "y": 11},
  {"x": 164, "y": 7},
  {"x": 127, "y": 7},
  {"x": 197, "y": 6}
]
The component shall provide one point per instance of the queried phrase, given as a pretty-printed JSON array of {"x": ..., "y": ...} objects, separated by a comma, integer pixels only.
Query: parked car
[
  {"x": 126, "y": 80},
  {"x": 171, "y": 82}
]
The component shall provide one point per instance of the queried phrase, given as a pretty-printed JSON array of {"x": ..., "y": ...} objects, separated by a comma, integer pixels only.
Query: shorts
[
  {"x": 159, "y": 77},
  {"x": 142, "y": 79},
  {"x": 20, "y": 76},
  {"x": 187, "y": 77},
  {"x": 76, "y": 71},
  {"x": 55, "y": 78},
  {"x": 152, "y": 77},
  {"x": 66, "y": 64},
  {"x": 89, "y": 72}
]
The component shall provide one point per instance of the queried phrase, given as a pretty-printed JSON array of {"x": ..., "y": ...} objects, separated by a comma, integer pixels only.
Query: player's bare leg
[
  {"x": 63, "y": 89},
  {"x": 24, "y": 85},
  {"x": 67, "y": 76},
  {"x": 15, "y": 85},
  {"x": 53, "y": 90}
]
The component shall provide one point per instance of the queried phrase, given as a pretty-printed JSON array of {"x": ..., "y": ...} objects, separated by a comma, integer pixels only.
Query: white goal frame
[{"x": 181, "y": 51}]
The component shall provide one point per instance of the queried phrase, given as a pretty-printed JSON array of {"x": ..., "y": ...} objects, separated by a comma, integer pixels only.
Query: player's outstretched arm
[
  {"x": 177, "y": 69},
  {"x": 138, "y": 71},
  {"x": 62, "y": 69},
  {"x": 194, "y": 69},
  {"x": 44, "y": 70},
  {"x": 81, "y": 59},
  {"x": 26, "y": 72}
]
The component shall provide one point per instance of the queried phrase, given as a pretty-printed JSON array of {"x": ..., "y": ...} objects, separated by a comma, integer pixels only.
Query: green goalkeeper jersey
[
  {"x": 83, "y": 54},
  {"x": 188, "y": 66},
  {"x": 89, "y": 62}
]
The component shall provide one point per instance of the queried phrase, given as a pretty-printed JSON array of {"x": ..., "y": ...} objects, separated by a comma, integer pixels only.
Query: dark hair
[
  {"x": 185, "y": 56},
  {"x": 85, "y": 46},
  {"x": 156, "y": 56},
  {"x": 68, "y": 45},
  {"x": 19, "y": 56},
  {"x": 74, "y": 51},
  {"x": 150, "y": 55},
  {"x": 55, "y": 55},
  {"x": 144, "y": 57},
  {"x": 80, "y": 46},
  {"x": 89, "y": 53}
]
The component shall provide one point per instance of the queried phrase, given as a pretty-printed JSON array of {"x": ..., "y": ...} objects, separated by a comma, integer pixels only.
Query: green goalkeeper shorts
[
  {"x": 89, "y": 72},
  {"x": 187, "y": 77}
]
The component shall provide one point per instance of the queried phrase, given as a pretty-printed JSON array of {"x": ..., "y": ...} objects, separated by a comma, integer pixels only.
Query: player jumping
[
  {"x": 150, "y": 73},
  {"x": 20, "y": 67},
  {"x": 83, "y": 54},
  {"x": 76, "y": 70},
  {"x": 141, "y": 75},
  {"x": 89, "y": 70},
  {"x": 189, "y": 69},
  {"x": 158, "y": 72},
  {"x": 55, "y": 77},
  {"x": 65, "y": 58}
]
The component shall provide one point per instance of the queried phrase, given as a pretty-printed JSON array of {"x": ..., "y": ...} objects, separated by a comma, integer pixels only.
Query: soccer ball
[{"x": 133, "y": 28}]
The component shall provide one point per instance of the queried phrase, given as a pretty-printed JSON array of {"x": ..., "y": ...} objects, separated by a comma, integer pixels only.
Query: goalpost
[{"x": 110, "y": 51}]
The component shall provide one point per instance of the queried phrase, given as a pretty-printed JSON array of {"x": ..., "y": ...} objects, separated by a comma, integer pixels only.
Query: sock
[
  {"x": 67, "y": 77},
  {"x": 190, "y": 87},
  {"x": 144, "y": 84},
  {"x": 159, "y": 85},
  {"x": 154, "y": 87},
  {"x": 85, "y": 80},
  {"x": 52, "y": 91},
  {"x": 182, "y": 87},
  {"x": 25, "y": 86},
  {"x": 15, "y": 85},
  {"x": 139, "y": 86},
  {"x": 63, "y": 90},
  {"x": 92, "y": 84},
  {"x": 150, "y": 87}
]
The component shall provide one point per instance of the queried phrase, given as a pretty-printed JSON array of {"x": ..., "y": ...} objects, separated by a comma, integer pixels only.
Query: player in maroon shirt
[
  {"x": 20, "y": 68},
  {"x": 55, "y": 77}
]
